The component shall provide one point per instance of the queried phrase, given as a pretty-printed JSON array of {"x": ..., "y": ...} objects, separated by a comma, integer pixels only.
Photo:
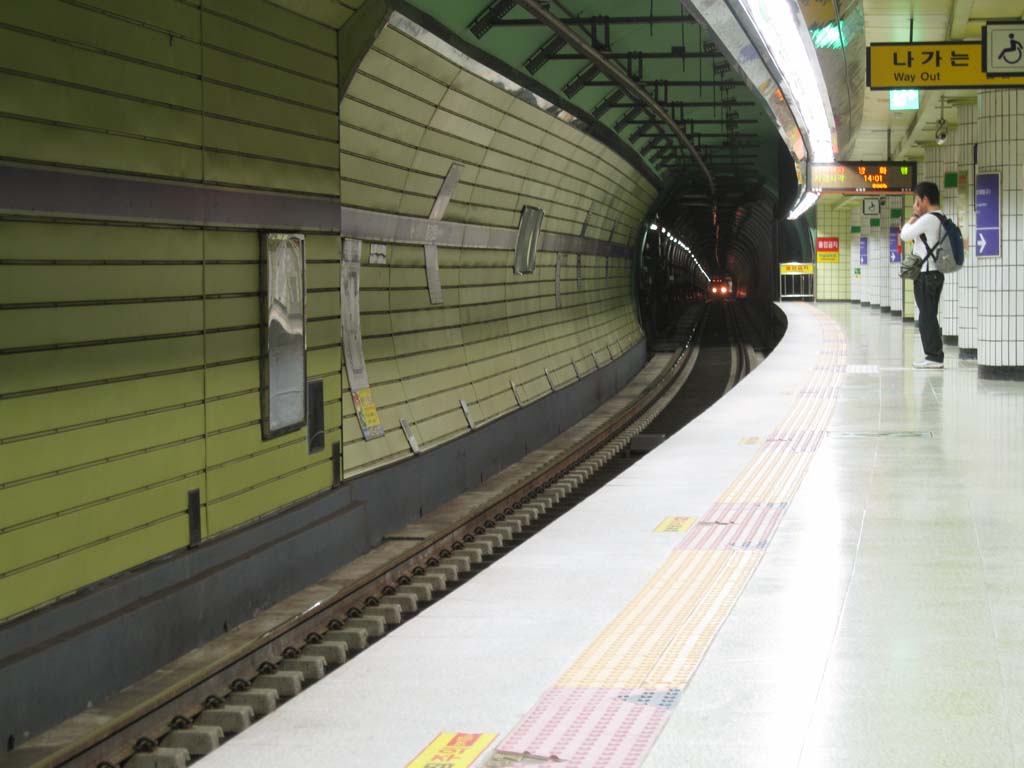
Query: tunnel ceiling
[{"x": 664, "y": 51}]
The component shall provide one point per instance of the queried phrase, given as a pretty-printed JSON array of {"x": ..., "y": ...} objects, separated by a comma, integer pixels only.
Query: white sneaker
[{"x": 927, "y": 364}]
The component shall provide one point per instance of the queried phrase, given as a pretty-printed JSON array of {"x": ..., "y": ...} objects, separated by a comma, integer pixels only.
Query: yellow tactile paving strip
[
  {"x": 663, "y": 633},
  {"x": 629, "y": 648},
  {"x": 658, "y": 640}
]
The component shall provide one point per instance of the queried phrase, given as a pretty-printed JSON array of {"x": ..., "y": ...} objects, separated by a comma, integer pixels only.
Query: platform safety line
[
  {"x": 645, "y": 626},
  {"x": 782, "y": 482},
  {"x": 683, "y": 655},
  {"x": 749, "y": 484},
  {"x": 656, "y": 643},
  {"x": 811, "y": 424}
]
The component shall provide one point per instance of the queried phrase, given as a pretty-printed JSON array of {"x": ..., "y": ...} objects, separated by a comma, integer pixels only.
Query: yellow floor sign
[
  {"x": 453, "y": 750},
  {"x": 675, "y": 525}
]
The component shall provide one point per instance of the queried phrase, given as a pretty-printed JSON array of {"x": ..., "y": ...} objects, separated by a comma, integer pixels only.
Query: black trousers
[{"x": 927, "y": 290}]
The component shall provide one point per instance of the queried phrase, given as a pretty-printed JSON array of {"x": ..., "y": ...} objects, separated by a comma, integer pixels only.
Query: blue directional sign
[
  {"x": 986, "y": 203},
  {"x": 894, "y": 245},
  {"x": 863, "y": 250}
]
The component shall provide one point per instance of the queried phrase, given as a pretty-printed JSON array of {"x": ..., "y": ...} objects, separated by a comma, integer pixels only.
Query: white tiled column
[
  {"x": 949, "y": 202},
  {"x": 894, "y": 212},
  {"x": 867, "y": 288},
  {"x": 832, "y": 280},
  {"x": 1001, "y": 279},
  {"x": 883, "y": 257},
  {"x": 858, "y": 293},
  {"x": 876, "y": 265},
  {"x": 967, "y": 278}
]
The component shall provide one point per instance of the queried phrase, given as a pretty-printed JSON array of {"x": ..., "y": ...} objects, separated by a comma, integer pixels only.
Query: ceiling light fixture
[
  {"x": 781, "y": 30},
  {"x": 829, "y": 36},
  {"x": 809, "y": 199}
]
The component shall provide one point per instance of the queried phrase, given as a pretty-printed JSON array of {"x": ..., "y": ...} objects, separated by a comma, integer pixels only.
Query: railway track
[{"x": 184, "y": 711}]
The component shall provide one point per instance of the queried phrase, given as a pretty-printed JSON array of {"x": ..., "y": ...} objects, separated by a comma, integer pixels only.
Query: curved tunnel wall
[
  {"x": 129, "y": 359},
  {"x": 408, "y": 115}
]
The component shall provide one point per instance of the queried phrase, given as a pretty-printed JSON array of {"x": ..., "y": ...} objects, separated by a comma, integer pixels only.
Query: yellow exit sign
[
  {"x": 932, "y": 65},
  {"x": 793, "y": 268}
]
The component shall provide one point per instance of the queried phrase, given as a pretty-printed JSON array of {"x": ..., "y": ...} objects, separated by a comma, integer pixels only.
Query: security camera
[{"x": 941, "y": 132}]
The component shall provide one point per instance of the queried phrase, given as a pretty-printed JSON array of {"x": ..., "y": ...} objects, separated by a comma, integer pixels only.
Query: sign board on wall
[
  {"x": 986, "y": 203},
  {"x": 932, "y": 65},
  {"x": 863, "y": 251},
  {"x": 864, "y": 176},
  {"x": 1002, "y": 44},
  {"x": 828, "y": 250},
  {"x": 895, "y": 246}
]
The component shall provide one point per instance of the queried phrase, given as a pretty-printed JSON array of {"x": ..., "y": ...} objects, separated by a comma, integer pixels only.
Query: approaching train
[{"x": 719, "y": 289}]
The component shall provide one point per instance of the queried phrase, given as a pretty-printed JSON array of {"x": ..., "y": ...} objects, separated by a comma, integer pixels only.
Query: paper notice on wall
[
  {"x": 366, "y": 412},
  {"x": 352, "y": 339}
]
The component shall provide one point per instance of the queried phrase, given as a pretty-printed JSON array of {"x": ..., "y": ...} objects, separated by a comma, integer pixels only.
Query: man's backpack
[{"x": 949, "y": 251}]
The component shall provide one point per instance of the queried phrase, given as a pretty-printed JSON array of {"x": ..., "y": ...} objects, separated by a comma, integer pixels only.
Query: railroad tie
[
  {"x": 230, "y": 718},
  {"x": 162, "y": 757},
  {"x": 262, "y": 701},
  {"x": 354, "y": 638}
]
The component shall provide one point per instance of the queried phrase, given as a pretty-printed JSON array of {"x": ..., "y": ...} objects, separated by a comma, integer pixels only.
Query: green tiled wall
[
  {"x": 129, "y": 355},
  {"x": 129, "y": 351}
]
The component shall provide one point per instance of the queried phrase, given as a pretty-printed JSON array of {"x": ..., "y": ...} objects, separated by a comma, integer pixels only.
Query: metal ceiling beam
[
  {"x": 616, "y": 74},
  {"x": 630, "y": 117},
  {"x": 679, "y": 83},
  {"x": 609, "y": 101},
  {"x": 721, "y": 121},
  {"x": 675, "y": 53},
  {"x": 543, "y": 55},
  {"x": 586, "y": 21},
  {"x": 579, "y": 80},
  {"x": 489, "y": 16}
]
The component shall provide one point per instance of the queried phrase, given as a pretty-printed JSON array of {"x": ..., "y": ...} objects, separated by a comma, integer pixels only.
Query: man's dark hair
[{"x": 929, "y": 190}]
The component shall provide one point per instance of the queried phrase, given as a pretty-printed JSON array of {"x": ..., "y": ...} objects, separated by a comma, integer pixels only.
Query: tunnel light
[{"x": 654, "y": 227}]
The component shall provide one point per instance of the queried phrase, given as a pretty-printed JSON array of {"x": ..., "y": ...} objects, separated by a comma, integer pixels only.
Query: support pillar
[{"x": 1001, "y": 278}]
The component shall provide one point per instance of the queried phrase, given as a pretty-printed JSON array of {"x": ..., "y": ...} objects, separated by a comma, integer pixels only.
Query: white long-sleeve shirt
[{"x": 930, "y": 227}]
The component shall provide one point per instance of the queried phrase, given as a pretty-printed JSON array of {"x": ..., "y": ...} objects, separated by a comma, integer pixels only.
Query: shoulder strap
[{"x": 942, "y": 234}]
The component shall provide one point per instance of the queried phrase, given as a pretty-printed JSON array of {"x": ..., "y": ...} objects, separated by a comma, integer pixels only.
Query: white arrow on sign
[{"x": 981, "y": 243}]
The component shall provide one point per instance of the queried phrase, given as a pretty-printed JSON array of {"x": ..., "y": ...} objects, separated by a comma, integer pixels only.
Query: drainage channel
[{"x": 700, "y": 378}]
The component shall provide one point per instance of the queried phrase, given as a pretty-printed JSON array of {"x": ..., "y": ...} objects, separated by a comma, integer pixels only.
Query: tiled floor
[{"x": 884, "y": 625}]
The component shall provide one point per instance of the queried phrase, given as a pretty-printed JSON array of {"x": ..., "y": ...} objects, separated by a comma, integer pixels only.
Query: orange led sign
[{"x": 863, "y": 176}]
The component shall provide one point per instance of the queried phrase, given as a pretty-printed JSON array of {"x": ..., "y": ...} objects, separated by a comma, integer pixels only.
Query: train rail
[{"x": 186, "y": 709}]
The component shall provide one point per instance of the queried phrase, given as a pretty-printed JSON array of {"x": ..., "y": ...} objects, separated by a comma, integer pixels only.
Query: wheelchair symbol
[{"x": 1013, "y": 53}]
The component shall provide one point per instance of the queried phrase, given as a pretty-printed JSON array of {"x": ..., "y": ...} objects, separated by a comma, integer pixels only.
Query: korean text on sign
[
  {"x": 453, "y": 750},
  {"x": 932, "y": 65}
]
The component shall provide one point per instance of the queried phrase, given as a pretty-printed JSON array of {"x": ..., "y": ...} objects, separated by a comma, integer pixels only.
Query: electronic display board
[{"x": 857, "y": 177}]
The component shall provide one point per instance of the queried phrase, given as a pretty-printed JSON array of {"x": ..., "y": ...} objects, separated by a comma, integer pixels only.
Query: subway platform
[{"x": 824, "y": 569}]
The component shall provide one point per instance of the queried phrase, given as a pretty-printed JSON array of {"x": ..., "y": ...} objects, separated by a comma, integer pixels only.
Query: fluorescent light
[
  {"x": 782, "y": 31},
  {"x": 809, "y": 199}
]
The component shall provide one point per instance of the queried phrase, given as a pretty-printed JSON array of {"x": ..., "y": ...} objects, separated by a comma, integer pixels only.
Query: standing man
[{"x": 925, "y": 231}]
